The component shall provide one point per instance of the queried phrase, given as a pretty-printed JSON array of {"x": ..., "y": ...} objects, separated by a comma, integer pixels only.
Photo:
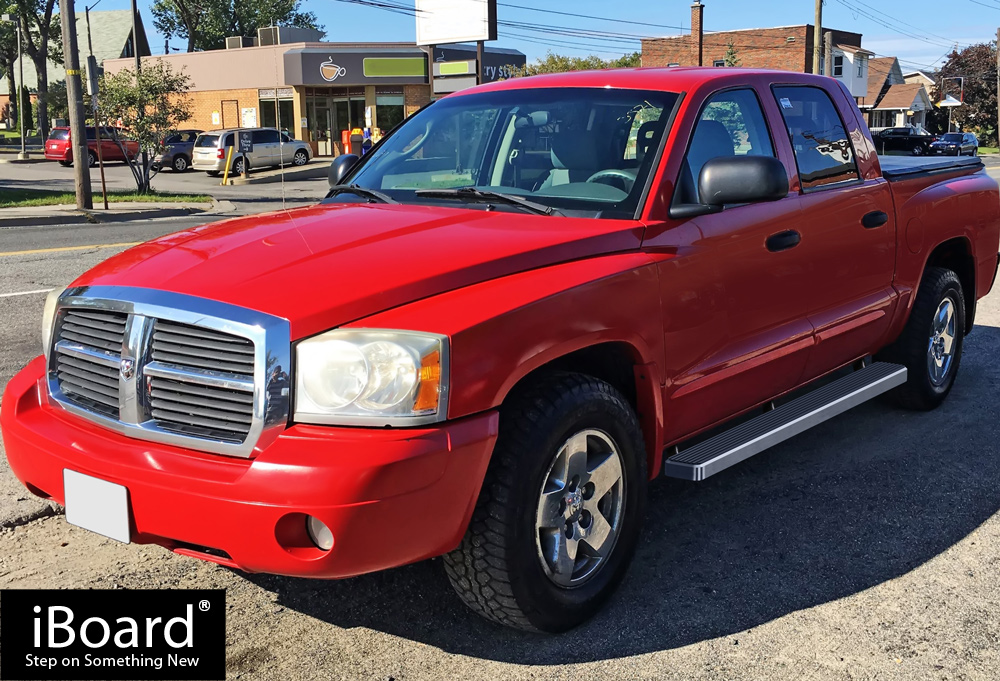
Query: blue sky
[{"x": 932, "y": 26}]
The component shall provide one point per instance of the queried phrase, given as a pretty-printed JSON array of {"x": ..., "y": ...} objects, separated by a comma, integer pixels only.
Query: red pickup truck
[{"x": 528, "y": 301}]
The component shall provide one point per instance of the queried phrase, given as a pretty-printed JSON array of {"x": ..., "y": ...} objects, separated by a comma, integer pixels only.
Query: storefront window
[{"x": 389, "y": 108}]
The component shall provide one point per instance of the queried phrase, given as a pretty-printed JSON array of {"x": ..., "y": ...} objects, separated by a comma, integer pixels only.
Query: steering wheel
[{"x": 626, "y": 176}]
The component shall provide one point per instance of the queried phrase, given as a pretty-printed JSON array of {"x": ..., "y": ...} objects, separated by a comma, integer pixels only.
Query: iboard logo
[
  {"x": 154, "y": 634},
  {"x": 330, "y": 71}
]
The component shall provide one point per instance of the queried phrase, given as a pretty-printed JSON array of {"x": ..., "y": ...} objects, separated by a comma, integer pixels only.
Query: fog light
[{"x": 320, "y": 534}]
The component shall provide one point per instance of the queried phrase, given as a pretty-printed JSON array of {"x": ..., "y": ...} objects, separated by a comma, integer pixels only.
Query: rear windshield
[
  {"x": 952, "y": 138},
  {"x": 59, "y": 135},
  {"x": 207, "y": 141}
]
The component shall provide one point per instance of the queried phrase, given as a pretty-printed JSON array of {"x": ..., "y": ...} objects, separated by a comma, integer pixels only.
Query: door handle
[
  {"x": 876, "y": 218},
  {"x": 782, "y": 241}
]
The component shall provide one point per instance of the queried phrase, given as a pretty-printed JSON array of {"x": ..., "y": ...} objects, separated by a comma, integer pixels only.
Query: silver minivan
[{"x": 270, "y": 148}]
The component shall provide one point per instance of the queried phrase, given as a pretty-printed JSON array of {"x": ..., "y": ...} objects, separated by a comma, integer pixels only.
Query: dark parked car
[
  {"x": 956, "y": 144},
  {"x": 906, "y": 139},
  {"x": 178, "y": 153}
]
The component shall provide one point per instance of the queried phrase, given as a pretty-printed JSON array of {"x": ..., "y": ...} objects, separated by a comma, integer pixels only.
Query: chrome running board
[{"x": 777, "y": 425}]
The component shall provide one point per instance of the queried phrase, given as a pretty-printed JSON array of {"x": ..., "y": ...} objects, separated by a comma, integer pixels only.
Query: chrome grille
[
  {"x": 87, "y": 355},
  {"x": 185, "y": 406},
  {"x": 171, "y": 368}
]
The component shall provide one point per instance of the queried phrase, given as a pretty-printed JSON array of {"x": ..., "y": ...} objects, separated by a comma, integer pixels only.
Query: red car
[
  {"x": 59, "y": 148},
  {"x": 522, "y": 306}
]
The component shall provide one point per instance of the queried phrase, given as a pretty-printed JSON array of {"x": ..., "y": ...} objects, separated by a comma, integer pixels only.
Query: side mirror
[
  {"x": 742, "y": 179},
  {"x": 339, "y": 168}
]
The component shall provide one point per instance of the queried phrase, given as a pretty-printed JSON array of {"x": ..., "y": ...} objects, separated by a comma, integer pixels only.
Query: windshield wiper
[
  {"x": 372, "y": 195},
  {"x": 482, "y": 196}
]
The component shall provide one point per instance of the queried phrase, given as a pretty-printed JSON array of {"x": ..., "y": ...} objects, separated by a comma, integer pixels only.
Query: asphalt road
[{"x": 866, "y": 548}]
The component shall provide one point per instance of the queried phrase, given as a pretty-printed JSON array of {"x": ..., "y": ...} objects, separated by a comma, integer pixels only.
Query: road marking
[
  {"x": 26, "y": 293},
  {"x": 71, "y": 248}
]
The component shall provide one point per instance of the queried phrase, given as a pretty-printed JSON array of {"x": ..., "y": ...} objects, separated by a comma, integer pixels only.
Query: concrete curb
[{"x": 73, "y": 216}]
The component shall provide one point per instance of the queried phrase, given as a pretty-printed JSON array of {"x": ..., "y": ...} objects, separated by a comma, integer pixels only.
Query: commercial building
[{"x": 317, "y": 90}]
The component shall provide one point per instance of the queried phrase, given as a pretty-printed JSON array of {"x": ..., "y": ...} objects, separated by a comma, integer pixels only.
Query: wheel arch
[
  {"x": 621, "y": 365},
  {"x": 956, "y": 255}
]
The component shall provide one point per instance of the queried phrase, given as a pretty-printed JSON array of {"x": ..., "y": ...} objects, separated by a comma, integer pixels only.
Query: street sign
[{"x": 246, "y": 141}]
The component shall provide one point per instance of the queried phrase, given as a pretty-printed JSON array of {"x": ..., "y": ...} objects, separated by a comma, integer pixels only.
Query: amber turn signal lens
[{"x": 429, "y": 390}]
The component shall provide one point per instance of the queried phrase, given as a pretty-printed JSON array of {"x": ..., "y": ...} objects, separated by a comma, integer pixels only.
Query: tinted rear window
[
  {"x": 207, "y": 141},
  {"x": 59, "y": 135}
]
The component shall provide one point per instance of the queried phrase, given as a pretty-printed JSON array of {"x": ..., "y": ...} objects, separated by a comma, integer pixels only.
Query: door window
[
  {"x": 731, "y": 124},
  {"x": 823, "y": 151},
  {"x": 265, "y": 137}
]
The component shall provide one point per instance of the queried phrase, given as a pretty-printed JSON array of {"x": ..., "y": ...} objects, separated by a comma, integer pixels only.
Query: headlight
[
  {"x": 371, "y": 377},
  {"x": 48, "y": 318}
]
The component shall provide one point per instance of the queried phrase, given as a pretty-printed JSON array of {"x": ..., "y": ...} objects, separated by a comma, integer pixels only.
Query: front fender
[{"x": 502, "y": 330}]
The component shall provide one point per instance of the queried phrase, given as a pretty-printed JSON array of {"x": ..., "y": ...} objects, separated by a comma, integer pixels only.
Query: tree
[
  {"x": 731, "y": 58},
  {"x": 557, "y": 63},
  {"x": 205, "y": 24},
  {"x": 41, "y": 40},
  {"x": 978, "y": 65},
  {"x": 149, "y": 106},
  {"x": 8, "y": 56}
]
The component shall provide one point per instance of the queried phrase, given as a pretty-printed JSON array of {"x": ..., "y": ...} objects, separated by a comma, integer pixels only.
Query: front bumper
[{"x": 390, "y": 496}]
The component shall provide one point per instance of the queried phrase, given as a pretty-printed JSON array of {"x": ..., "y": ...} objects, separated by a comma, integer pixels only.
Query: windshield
[
  {"x": 952, "y": 138},
  {"x": 59, "y": 134},
  {"x": 587, "y": 151}
]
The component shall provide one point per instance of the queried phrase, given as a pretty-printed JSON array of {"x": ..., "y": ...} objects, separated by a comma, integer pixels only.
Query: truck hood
[{"x": 327, "y": 265}]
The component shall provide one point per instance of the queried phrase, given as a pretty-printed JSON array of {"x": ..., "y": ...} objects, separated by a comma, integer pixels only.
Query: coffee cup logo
[{"x": 331, "y": 71}]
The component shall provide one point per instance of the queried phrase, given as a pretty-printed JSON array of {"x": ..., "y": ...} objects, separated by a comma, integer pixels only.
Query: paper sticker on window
[{"x": 786, "y": 103}]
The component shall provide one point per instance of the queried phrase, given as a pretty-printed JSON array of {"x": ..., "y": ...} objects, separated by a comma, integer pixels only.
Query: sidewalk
[{"x": 68, "y": 214}]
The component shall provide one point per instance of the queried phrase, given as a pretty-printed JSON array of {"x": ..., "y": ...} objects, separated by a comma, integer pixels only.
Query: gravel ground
[{"x": 867, "y": 548}]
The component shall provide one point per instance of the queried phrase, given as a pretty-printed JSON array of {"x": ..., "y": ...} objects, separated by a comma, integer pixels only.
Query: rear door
[
  {"x": 848, "y": 223},
  {"x": 265, "y": 149}
]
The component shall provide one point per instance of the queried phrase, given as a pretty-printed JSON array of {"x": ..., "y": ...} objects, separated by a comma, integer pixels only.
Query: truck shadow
[{"x": 853, "y": 503}]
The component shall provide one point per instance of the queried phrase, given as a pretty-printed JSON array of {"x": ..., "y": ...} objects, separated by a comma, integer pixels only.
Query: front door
[
  {"x": 849, "y": 226},
  {"x": 735, "y": 309}
]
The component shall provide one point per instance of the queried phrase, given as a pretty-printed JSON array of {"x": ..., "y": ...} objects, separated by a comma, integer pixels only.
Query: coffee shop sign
[{"x": 330, "y": 71}]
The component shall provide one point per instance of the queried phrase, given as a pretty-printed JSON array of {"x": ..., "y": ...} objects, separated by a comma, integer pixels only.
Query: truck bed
[{"x": 895, "y": 168}]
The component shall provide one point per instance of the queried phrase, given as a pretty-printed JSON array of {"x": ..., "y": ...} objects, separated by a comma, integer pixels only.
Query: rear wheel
[
  {"x": 557, "y": 520},
  {"x": 919, "y": 150},
  {"x": 91, "y": 159},
  {"x": 239, "y": 166},
  {"x": 180, "y": 164},
  {"x": 931, "y": 343}
]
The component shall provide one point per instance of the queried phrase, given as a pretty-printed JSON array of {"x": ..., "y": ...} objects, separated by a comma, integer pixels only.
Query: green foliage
[
  {"x": 731, "y": 57},
  {"x": 205, "y": 24},
  {"x": 557, "y": 63},
  {"x": 978, "y": 64},
  {"x": 150, "y": 106}
]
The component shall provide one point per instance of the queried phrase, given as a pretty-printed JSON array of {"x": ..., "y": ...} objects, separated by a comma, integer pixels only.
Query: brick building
[
  {"x": 316, "y": 90},
  {"x": 785, "y": 48}
]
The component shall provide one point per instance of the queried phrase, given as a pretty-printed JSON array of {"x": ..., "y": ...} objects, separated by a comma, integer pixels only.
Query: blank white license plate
[{"x": 96, "y": 505}]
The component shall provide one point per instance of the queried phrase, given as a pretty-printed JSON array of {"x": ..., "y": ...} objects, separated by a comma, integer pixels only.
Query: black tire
[
  {"x": 300, "y": 158},
  {"x": 918, "y": 150},
  {"x": 180, "y": 163},
  {"x": 65, "y": 164},
  {"x": 497, "y": 570},
  {"x": 238, "y": 165},
  {"x": 91, "y": 159},
  {"x": 921, "y": 392}
]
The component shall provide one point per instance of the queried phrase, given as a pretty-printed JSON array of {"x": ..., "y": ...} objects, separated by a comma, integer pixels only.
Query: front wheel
[
  {"x": 931, "y": 343},
  {"x": 300, "y": 158},
  {"x": 560, "y": 510}
]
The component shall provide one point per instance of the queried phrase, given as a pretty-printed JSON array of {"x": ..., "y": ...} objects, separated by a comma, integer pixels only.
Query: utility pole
[
  {"x": 77, "y": 119},
  {"x": 817, "y": 36},
  {"x": 998, "y": 85},
  {"x": 828, "y": 53},
  {"x": 138, "y": 67}
]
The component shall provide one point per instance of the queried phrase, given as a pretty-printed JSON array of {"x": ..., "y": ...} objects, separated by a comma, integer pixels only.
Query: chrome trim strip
[
  {"x": 74, "y": 350},
  {"x": 212, "y": 379},
  {"x": 270, "y": 335}
]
